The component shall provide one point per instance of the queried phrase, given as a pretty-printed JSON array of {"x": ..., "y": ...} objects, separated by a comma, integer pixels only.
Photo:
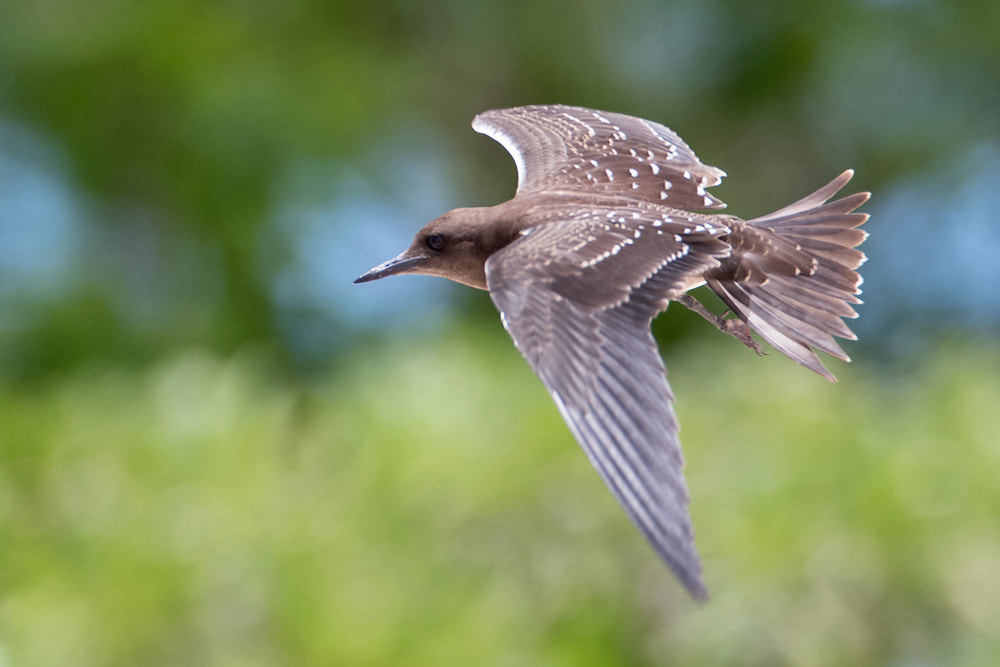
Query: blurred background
[{"x": 214, "y": 449}]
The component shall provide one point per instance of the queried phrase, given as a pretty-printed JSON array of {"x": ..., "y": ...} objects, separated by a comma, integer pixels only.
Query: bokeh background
[{"x": 215, "y": 450}]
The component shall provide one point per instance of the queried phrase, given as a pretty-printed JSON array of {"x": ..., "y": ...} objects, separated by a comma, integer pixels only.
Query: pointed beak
[{"x": 399, "y": 264}]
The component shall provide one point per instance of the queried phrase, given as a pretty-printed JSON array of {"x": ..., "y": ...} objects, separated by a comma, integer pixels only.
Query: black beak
[{"x": 398, "y": 264}]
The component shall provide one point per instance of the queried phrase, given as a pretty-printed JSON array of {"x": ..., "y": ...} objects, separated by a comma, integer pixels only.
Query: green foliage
[{"x": 426, "y": 505}]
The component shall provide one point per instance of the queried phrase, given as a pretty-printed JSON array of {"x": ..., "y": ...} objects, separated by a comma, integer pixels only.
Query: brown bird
[{"x": 605, "y": 230}]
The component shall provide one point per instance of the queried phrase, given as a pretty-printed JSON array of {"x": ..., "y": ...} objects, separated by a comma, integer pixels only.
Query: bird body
[{"x": 610, "y": 223}]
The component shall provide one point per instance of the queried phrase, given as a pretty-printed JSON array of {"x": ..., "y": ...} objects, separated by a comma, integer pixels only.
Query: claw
[
  {"x": 739, "y": 330},
  {"x": 735, "y": 327}
]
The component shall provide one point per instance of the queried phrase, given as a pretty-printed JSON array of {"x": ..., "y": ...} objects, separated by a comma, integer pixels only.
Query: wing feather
[
  {"x": 599, "y": 360},
  {"x": 564, "y": 148}
]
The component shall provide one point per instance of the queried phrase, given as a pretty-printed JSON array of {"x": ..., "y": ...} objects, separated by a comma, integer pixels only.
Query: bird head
[{"x": 454, "y": 246}]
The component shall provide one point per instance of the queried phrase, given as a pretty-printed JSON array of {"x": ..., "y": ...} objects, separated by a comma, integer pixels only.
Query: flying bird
[{"x": 611, "y": 221}]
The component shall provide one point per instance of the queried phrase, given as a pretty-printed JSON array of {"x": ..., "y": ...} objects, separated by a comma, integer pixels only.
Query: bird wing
[
  {"x": 558, "y": 147},
  {"x": 577, "y": 297}
]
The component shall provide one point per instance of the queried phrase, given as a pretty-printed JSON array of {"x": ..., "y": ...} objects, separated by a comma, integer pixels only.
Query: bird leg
[{"x": 735, "y": 327}]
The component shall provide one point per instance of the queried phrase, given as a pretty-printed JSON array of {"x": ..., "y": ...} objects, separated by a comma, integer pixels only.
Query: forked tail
[{"x": 791, "y": 275}]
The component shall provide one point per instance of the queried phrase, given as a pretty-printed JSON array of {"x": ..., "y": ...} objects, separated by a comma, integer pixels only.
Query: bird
[{"x": 610, "y": 222}]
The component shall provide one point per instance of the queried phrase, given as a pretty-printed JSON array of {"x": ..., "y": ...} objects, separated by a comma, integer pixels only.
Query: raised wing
[
  {"x": 557, "y": 147},
  {"x": 587, "y": 337}
]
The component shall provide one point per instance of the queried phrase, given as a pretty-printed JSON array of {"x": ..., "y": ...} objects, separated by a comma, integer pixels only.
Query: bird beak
[{"x": 399, "y": 264}]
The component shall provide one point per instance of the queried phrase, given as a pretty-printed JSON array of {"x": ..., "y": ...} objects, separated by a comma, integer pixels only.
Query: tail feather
[
  {"x": 818, "y": 198},
  {"x": 791, "y": 275}
]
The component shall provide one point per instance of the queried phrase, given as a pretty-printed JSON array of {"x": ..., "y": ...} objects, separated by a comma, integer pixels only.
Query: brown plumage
[{"x": 606, "y": 228}]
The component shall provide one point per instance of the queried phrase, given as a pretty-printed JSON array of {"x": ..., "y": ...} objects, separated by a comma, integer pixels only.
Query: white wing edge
[{"x": 492, "y": 131}]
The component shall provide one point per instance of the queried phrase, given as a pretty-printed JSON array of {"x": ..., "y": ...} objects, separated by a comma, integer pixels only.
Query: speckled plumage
[{"x": 609, "y": 225}]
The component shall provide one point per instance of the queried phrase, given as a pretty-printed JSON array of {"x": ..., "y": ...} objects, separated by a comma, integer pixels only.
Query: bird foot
[{"x": 735, "y": 327}]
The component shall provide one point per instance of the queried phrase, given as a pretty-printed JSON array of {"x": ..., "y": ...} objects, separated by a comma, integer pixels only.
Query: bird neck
[{"x": 486, "y": 230}]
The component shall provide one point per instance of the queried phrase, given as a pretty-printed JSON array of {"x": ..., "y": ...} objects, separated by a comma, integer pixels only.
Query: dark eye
[{"x": 434, "y": 241}]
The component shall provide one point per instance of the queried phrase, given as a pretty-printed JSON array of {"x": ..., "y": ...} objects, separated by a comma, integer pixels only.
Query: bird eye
[{"x": 435, "y": 241}]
